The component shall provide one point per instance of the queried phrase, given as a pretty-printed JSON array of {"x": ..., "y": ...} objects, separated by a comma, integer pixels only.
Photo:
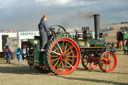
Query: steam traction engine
[{"x": 64, "y": 51}]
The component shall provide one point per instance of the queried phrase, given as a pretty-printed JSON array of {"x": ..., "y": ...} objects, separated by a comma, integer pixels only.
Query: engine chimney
[{"x": 97, "y": 25}]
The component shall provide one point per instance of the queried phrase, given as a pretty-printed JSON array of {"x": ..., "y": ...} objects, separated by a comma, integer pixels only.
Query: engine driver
[{"x": 44, "y": 31}]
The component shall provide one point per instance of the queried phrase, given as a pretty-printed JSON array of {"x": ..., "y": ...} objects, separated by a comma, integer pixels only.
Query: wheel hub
[
  {"x": 108, "y": 61},
  {"x": 63, "y": 56}
]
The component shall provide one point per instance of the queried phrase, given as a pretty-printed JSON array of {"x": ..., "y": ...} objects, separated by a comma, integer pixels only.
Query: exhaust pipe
[{"x": 97, "y": 25}]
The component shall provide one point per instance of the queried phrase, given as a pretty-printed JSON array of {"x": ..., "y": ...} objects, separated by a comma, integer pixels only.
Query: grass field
[{"x": 12, "y": 74}]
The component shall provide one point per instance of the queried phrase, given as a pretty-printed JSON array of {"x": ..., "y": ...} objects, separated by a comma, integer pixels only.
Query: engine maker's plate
[{"x": 81, "y": 43}]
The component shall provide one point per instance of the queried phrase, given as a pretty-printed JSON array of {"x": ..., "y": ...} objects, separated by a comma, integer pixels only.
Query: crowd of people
[
  {"x": 116, "y": 45},
  {"x": 8, "y": 53},
  {"x": 110, "y": 46}
]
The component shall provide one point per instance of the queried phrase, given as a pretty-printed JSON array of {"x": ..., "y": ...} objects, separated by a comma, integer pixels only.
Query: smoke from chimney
[
  {"x": 85, "y": 15},
  {"x": 71, "y": 19}
]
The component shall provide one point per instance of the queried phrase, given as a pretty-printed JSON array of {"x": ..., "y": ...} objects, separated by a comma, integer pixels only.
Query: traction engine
[{"x": 64, "y": 51}]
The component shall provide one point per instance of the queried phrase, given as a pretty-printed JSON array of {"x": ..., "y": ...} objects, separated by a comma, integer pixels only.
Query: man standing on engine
[{"x": 44, "y": 31}]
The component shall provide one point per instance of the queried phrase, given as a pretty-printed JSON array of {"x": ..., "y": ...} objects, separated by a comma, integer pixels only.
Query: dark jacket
[
  {"x": 126, "y": 43},
  {"x": 7, "y": 49},
  {"x": 43, "y": 26}
]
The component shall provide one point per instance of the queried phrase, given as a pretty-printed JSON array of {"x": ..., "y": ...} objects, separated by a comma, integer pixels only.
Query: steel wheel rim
[
  {"x": 108, "y": 62},
  {"x": 88, "y": 64},
  {"x": 64, "y": 56}
]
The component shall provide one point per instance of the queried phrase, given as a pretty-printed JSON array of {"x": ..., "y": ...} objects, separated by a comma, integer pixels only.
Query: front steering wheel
[{"x": 59, "y": 29}]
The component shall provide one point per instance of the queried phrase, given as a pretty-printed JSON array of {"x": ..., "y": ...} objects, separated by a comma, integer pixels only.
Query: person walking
[
  {"x": 118, "y": 44},
  {"x": 127, "y": 46},
  {"x": 44, "y": 31},
  {"x": 19, "y": 54},
  {"x": 7, "y": 52},
  {"x": 112, "y": 44}
]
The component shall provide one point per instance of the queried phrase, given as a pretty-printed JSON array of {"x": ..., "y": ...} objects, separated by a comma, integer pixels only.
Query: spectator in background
[
  {"x": 121, "y": 44},
  {"x": 107, "y": 45},
  {"x": 7, "y": 52},
  {"x": 19, "y": 54},
  {"x": 127, "y": 44},
  {"x": 112, "y": 44},
  {"x": 118, "y": 44},
  {"x": 112, "y": 50}
]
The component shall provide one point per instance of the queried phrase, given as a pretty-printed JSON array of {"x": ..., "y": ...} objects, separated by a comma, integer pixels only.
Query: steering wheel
[{"x": 58, "y": 29}]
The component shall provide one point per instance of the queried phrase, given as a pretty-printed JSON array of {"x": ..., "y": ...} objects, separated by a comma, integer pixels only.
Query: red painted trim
[{"x": 90, "y": 47}]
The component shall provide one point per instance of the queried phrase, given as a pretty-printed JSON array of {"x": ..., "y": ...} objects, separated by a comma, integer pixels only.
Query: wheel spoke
[
  {"x": 86, "y": 63},
  {"x": 55, "y": 59},
  {"x": 69, "y": 64},
  {"x": 59, "y": 64},
  {"x": 59, "y": 47},
  {"x": 56, "y": 63},
  {"x": 70, "y": 52},
  {"x": 66, "y": 46},
  {"x": 112, "y": 61},
  {"x": 56, "y": 49},
  {"x": 102, "y": 62},
  {"x": 71, "y": 56},
  {"x": 90, "y": 64},
  {"x": 54, "y": 56},
  {"x": 103, "y": 65},
  {"x": 63, "y": 45},
  {"x": 105, "y": 56},
  {"x": 109, "y": 66},
  {"x": 110, "y": 58},
  {"x": 56, "y": 53},
  {"x": 69, "y": 48},
  {"x": 70, "y": 60},
  {"x": 65, "y": 65},
  {"x": 104, "y": 59},
  {"x": 62, "y": 66}
]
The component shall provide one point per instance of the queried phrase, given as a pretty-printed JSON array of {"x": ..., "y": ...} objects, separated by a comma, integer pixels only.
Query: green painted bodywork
[
  {"x": 89, "y": 43},
  {"x": 125, "y": 32},
  {"x": 90, "y": 36},
  {"x": 126, "y": 36},
  {"x": 65, "y": 35},
  {"x": 37, "y": 57}
]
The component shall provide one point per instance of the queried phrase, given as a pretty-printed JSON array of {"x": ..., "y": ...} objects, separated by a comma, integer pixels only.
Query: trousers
[
  {"x": 8, "y": 56},
  {"x": 19, "y": 57},
  {"x": 43, "y": 38}
]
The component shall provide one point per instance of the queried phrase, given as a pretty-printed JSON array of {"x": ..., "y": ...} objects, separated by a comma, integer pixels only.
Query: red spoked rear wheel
[
  {"x": 107, "y": 62},
  {"x": 63, "y": 56},
  {"x": 88, "y": 63}
]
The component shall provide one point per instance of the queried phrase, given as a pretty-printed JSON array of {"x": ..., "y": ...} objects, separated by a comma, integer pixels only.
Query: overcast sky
[{"x": 26, "y": 14}]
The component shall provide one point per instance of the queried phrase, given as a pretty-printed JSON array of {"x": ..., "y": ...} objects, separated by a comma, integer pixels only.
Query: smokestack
[{"x": 97, "y": 25}]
